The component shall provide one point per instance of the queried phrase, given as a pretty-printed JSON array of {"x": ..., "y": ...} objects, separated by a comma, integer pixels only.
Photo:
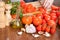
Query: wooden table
[{"x": 11, "y": 34}]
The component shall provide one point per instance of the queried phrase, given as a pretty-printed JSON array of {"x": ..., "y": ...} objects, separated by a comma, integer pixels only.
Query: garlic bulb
[{"x": 30, "y": 28}]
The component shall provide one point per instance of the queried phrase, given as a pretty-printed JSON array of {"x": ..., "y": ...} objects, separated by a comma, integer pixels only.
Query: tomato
[
  {"x": 59, "y": 21},
  {"x": 58, "y": 13},
  {"x": 37, "y": 20},
  {"x": 45, "y": 14},
  {"x": 53, "y": 11},
  {"x": 24, "y": 11},
  {"x": 42, "y": 9},
  {"x": 43, "y": 21},
  {"x": 51, "y": 23},
  {"x": 22, "y": 4},
  {"x": 54, "y": 7},
  {"x": 33, "y": 9},
  {"x": 39, "y": 27},
  {"x": 53, "y": 30},
  {"x": 53, "y": 16},
  {"x": 47, "y": 29},
  {"x": 44, "y": 27},
  {"x": 39, "y": 15},
  {"x": 47, "y": 18},
  {"x": 27, "y": 19},
  {"x": 29, "y": 6},
  {"x": 13, "y": 16}
]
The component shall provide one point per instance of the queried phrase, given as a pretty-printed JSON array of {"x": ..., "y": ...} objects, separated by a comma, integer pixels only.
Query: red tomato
[
  {"x": 47, "y": 18},
  {"x": 22, "y": 4},
  {"x": 47, "y": 29},
  {"x": 44, "y": 27},
  {"x": 53, "y": 30},
  {"x": 37, "y": 21},
  {"x": 39, "y": 27},
  {"x": 39, "y": 15},
  {"x": 33, "y": 9},
  {"x": 24, "y": 11},
  {"x": 59, "y": 22},
  {"x": 26, "y": 20},
  {"x": 29, "y": 6},
  {"x": 58, "y": 13},
  {"x": 54, "y": 7},
  {"x": 45, "y": 14},
  {"x": 43, "y": 21},
  {"x": 53, "y": 11},
  {"x": 53, "y": 16},
  {"x": 51, "y": 23},
  {"x": 13, "y": 16},
  {"x": 42, "y": 9}
]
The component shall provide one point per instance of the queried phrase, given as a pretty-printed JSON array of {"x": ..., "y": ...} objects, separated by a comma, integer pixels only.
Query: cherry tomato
[
  {"x": 39, "y": 27},
  {"x": 59, "y": 21},
  {"x": 53, "y": 30},
  {"x": 27, "y": 20},
  {"x": 53, "y": 11},
  {"x": 54, "y": 7},
  {"x": 47, "y": 29},
  {"x": 13, "y": 16},
  {"x": 43, "y": 21},
  {"x": 42, "y": 9},
  {"x": 22, "y": 4},
  {"x": 58, "y": 13},
  {"x": 47, "y": 18},
  {"x": 39, "y": 15},
  {"x": 51, "y": 23},
  {"x": 24, "y": 10},
  {"x": 44, "y": 27}
]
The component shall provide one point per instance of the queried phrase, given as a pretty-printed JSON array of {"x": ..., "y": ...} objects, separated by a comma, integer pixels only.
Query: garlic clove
[
  {"x": 40, "y": 32},
  {"x": 20, "y": 33},
  {"x": 35, "y": 35},
  {"x": 47, "y": 34},
  {"x": 23, "y": 29}
]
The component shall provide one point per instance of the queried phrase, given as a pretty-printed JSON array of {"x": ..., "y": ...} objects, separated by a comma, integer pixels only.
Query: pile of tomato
[
  {"x": 45, "y": 21},
  {"x": 27, "y": 8}
]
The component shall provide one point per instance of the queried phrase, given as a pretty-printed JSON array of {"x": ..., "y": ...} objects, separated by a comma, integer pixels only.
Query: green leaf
[{"x": 21, "y": 14}]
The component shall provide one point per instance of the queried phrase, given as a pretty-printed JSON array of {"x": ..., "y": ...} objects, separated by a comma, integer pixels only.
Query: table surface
[{"x": 11, "y": 34}]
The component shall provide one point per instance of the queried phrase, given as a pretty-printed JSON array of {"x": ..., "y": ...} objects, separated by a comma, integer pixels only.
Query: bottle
[{"x": 2, "y": 17}]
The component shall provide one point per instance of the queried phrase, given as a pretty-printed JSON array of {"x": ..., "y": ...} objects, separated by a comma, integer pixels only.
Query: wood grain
[{"x": 11, "y": 34}]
